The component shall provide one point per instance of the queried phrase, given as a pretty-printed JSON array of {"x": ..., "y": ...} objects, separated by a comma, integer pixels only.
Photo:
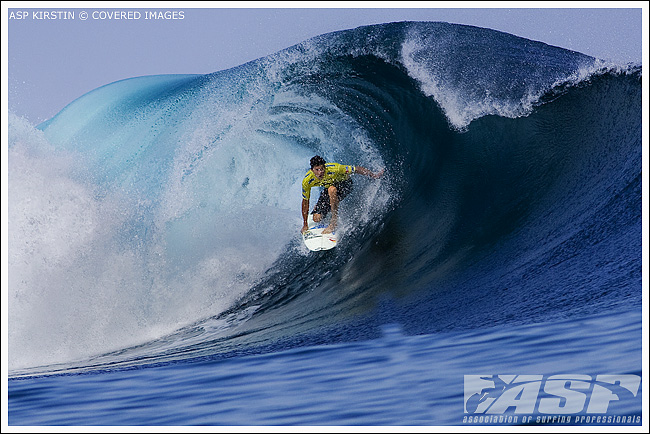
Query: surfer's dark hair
[{"x": 317, "y": 161}]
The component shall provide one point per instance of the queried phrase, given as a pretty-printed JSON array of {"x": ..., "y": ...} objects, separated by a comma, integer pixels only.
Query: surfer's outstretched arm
[{"x": 363, "y": 171}]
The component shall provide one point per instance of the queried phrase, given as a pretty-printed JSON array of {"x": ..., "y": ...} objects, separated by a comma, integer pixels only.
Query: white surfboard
[{"x": 315, "y": 239}]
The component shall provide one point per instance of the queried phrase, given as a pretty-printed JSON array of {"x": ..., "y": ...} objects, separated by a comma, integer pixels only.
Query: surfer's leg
[
  {"x": 322, "y": 207},
  {"x": 334, "y": 206}
]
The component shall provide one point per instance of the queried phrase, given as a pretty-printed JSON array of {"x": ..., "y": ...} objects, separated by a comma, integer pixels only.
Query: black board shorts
[{"x": 322, "y": 207}]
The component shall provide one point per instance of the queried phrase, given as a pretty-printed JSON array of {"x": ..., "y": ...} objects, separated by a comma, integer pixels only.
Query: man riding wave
[{"x": 335, "y": 178}]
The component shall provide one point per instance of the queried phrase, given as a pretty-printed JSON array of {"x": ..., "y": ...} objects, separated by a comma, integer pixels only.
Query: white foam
[{"x": 81, "y": 284}]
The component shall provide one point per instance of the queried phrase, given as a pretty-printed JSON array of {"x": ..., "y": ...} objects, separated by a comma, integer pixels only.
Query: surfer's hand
[{"x": 378, "y": 174}]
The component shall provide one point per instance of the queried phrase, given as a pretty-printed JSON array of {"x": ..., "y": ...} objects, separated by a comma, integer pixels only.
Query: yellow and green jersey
[{"x": 334, "y": 173}]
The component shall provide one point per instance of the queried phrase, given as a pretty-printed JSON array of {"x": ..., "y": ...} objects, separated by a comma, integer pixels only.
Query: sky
[{"x": 48, "y": 63}]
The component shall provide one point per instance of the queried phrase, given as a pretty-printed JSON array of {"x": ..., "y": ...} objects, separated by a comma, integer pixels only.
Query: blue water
[
  {"x": 157, "y": 275},
  {"x": 392, "y": 380}
]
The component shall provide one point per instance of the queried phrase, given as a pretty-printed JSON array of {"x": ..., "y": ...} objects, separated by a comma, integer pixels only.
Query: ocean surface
[{"x": 157, "y": 274}]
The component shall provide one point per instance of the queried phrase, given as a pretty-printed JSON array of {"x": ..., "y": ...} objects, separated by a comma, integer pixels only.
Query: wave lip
[{"x": 470, "y": 72}]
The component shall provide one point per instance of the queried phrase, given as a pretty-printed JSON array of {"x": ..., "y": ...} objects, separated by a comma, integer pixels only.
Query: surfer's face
[{"x": 319, "y": 171}]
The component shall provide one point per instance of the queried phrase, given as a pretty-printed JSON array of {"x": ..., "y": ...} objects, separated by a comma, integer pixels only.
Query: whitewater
[{"x": 156, "y": 270}]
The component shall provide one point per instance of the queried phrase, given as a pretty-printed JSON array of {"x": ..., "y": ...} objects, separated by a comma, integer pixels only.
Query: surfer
[{"x": 335, "y": 178}]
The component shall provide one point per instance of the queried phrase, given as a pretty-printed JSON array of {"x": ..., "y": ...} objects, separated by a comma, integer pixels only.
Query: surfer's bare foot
[{"x": 332, "y": 226}]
